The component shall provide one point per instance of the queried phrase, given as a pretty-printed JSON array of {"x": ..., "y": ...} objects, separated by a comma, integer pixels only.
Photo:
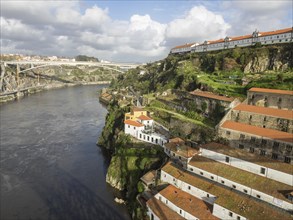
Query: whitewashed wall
[{"x": 223, "y": 213}]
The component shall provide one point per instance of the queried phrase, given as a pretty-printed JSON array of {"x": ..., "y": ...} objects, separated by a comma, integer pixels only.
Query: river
[{"x": 50, "y": 165}]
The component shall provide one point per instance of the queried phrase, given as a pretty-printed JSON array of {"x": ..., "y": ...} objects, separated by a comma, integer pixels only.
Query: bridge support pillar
[
  {"x": 17, "y": 74},
  {"x": 2, "y": 76}
]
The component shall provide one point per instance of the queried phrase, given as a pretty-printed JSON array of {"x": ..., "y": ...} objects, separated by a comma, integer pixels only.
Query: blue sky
[{"x": 130, "y": 31}]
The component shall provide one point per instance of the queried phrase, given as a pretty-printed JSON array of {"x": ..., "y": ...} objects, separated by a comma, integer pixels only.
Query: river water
[{"x": 51, "y": 167}]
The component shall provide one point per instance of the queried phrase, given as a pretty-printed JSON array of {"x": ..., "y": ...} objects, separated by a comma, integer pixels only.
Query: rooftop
[
  {"x": 137, "y": 109},
  {"x": 187, "y": 202},
  {"x": 176, "y": 140},
  {"x": 260, "y": 183},
  {"x": 228, "y": 199},
  {"x": 183, "y": 46},
  {"x": 258, "y": 131},
  {"x": 211, "y": 96},
  {"x": 275, "y": 91},
  {"x": 181, "y": 149},
  {"x": 133, "y": 123},
  {"x": 280, "y": 113},
  {"x": 251, "y": 157},
  {"x": 162, "y": 211},
  {"x": 281, "y": 31},
  {"x": 144, "y": 118},
  {"x": 149, "y": 177}
]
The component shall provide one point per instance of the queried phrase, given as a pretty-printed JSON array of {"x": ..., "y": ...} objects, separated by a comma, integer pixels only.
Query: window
[
  {"x": 174, "y": 179},
  {"x": 238, "y": 217},
  {"x": 166, "y": 201},
  {"x": 262, "y": 152},
  {"x": 148, "y": 138},
  {"x": 252, "y": 139},
  {"x": 227, "y": 159},
  {"x": 128, "y": 126},
  {"x": 274, "y": 156},
  {"x": 173, "y": 154},
  {"x": 276, "y": 145},
  {"x": 263, "y": 170},
  {"x": 228, "y": 132},
  {"x": 263, "y": 142},
  {"x": 265, "y": 118},
  {"x": 179, "y": 157},
  {"x": 258, "y": 196},
  {"x": 288, "y": 148},
  {"x": 180, "y": 211},
  {"x": 134, "y": 128},
  {"x": 160, "y": 198},
  {"x": 250, "y": 117},
  {"x": 222, "y": 181},
  {"x": 189, "y": 187},
  {"x": 212, "y": 177},
  {"x": 152, "y": 216},
  {"x": 234, "y": 186},
  {"x": 245, "y": 191},
  {"x": 242, "y": 136},
  {"x": 140, "y": 135},
  {"x": 201, "y": 173},
  {"x": 287, "y": 160},
  {"x": 251, "y": 150},
  {"x": 208, "y": 195},
  {"x": 230, "y": 214},
  {"x": 190, "y": 169},
  {"x": 144, "y": 137},
  {"x": 241, "y": 146}
]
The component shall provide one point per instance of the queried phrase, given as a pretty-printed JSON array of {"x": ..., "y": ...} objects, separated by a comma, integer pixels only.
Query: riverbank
[{"x": 20, "y": 94}]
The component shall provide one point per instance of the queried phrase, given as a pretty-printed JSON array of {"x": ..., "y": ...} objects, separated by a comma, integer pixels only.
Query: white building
[
  {"x": 272, "y": 169},
  {"x": 132, "y": 127},
  {"x": 226, "y": 203},
  {"x": 254, "y": 185},
  {"x": 265, "y": 38}
]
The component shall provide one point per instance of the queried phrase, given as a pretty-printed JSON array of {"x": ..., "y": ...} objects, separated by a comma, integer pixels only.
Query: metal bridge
[{"x": 118, "y": 67}]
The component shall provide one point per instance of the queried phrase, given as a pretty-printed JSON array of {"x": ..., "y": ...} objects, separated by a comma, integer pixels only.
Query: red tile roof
[
  {"x": 211, "y": 95},
  {"x": 236, "y": 202},
  {"x": 162, "y": 211},
  {"x": 281, "y": 31},
  {"x": 188, "y": 203},
  {"x": 181, "y": 149},
  {"x": 276, "y": 91},
  {"x": 144, "y": 118},
  {"x": 133, "y": 123},
  {"x": 251, "y": 157},
  {"x": 183, "y": 46},
  {"x": 258, "y": 131},
  {"x": 280, "y": 113},
  {"x": 176, "y": 140}
]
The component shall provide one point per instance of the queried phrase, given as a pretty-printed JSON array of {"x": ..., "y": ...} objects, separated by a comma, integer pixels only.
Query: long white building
[{"x": 265, "y": 38}]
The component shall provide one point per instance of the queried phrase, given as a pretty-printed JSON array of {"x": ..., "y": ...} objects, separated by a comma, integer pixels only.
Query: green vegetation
[{"x": 86, "y": 58}]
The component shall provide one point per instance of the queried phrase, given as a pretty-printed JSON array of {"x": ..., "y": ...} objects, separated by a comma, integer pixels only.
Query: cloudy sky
[{"x": 130, "y": 31}]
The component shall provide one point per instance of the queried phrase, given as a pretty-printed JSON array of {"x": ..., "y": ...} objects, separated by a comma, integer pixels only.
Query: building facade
[{"x": 265, "y": 38}]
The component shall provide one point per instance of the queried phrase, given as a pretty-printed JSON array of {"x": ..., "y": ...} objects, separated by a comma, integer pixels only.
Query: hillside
[{"x": 229, "y": 72}]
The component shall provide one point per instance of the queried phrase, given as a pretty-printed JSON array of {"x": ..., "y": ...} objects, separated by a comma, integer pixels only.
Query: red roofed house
[{"x": 132, "y": 127}]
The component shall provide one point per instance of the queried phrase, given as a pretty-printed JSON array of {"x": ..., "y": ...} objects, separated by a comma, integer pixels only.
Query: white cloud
[
  {"x": 64, "y": 28},
  {"x": 198, "y": 24}
]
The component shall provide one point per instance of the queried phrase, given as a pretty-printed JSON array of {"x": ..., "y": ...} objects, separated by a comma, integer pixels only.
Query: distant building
[
  {"x": 149, "y": 178},
  {"x": 265, "y": 38},
  {"x": 135, "y": 113}
]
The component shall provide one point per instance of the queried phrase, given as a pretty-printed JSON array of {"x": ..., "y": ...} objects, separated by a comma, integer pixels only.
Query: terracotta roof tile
[
  {"x": 251, "y": 157},
  {"x": 183, "y": 46},
  {"x": 258, "y": 131},
  {"x": 162, "y": 211},
  {"x": 188, "y": 203},
  {"x": 276, "y": 91},
  {"x": 238, "y": 203},
  {"x": 144, "y": 118},
  {"x": 281, "y": 31},
  {"x": 280, "y": 113},
  {"x": 176, "y": 140},
  {"x": 181, "y": 149},
  {"x": 254, "y": 181},
  {"x": 133, "y": 123},
  {"x": 211, "y": 95}
]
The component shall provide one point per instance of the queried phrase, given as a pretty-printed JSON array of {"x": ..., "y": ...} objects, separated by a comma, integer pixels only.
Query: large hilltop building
[{"x": 265, "y": 38}]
